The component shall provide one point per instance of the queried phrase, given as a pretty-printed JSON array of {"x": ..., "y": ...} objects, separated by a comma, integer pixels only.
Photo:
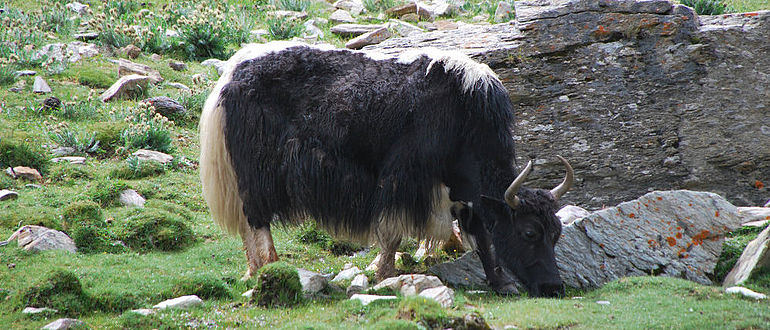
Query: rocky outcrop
[{"x": 638, "y": 95}]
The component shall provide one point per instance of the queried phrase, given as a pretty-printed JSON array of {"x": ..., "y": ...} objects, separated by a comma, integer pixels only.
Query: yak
[{"x": 375, "y": 148}]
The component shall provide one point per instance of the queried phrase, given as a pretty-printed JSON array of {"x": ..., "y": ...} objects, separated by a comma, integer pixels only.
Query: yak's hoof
[{"x": 506, "y": 289}]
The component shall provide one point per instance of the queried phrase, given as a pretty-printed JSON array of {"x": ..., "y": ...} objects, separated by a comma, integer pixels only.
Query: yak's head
[{"x": 525, "y": 230}]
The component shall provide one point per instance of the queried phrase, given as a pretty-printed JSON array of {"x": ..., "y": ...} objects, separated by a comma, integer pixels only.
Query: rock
[
  {"x": 153, "y": 155},
  {"x": 218, "y": 64},
  {"x": 62, "y": 324},
  {"x": 40, "y": 86},
  {"x": 126, "y": 86},
  {"x": 353, "y": 7},
  {"x": 409, "y": 284},
  {"x": 369, "y": 38},
  {"x": 347, "y": 274},
  {"x": 358, "y": 285},
  {"x": 167, "y": 107},
  {"x": 78, "y": 8},
  {"x": 312, "y": 30},
  {"x": 503, "y": 12},
  {"x": 131, "y": 198},
  {"x": 38, "y": 238},
  {"x": 172, "y": 33},
  {"x": 179, "y": 86},
  {"x": 312, "y": 282},
  {"x": 33, "y": 186},
  {"x": 126, "y": 68},
  {"x": 603, "y": 302},
  {"x": 444, "y": 9},
  {"x": 746, "y": 292},
  {"x": 156, "y": 57},
  {"x": 182, "y": 302},
  {"x": 177, "y": 65},
  {"x": 367, "y": 299},
  {"x": 35, "y": 310},
  {"x": 341, "y": 16},
  {"x": 71, "y": 52},
  {"x": 570, "y": 213},
  {"x": 70, "y": 159},
  {"x": 143, "y": 311},
  {"x": 752, "y": 214},
  {"x": 404, "y": 28},
  {"x": 669, "y": 233},
  {"x": 86, "y": 36},
  {"x": 24, "y": 73},
  {"x": 410, "y": 8},
  {"x": 63, "y": 151},
  {"x": 50, "y": 103},
  {"x": 131, "y": 51},
  {"x": 754, "y": 256},
  {"x": 466, "y": 272},
  {"x": 23, "y": 172},
  {"x": 411, "y": 17},
  {"x": 289, "y": 14},
  {"x": 248, "y": 293},
  {"x": 6, "y": 195},
  {"x": 551, "y": 50},
  {"x": 445, "y": 25},
  {"x": 353, "y": 30},
  {"x": 442, "y": 294}
]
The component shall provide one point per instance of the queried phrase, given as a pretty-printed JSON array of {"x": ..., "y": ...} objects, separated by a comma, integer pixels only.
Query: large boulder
[{"x": 633, "y": 93}]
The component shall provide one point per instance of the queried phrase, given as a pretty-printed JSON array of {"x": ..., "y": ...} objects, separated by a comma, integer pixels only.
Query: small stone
[
  {"x": 24, "y": 172},
  {"x": 131, "y": 198},
  {"x": 218, "y": 64},
  {"x": 33, "y": 186},
  {"x": 248, "y": 293},
  {"x": 38, "y": 238},
  {"x": 182, "y": 302},
  {"x": 35, "y": 310},
  {"x": 6, "y": 195},
  {"x": 746, "y": 292},
  {"x": 369, "y": 38},
  {"x": 143, "y": 311},
  {"x": 40, "y": 86},
  {"x": 24, "y": 73},
  {"x": 358, "y": 285},
  {"x": 51, "y": 103},
  {"x": 153, "y": 155},
  {"x": 354, "y": 7},
  {"x": 341, "y": 16},
  {"x": 62, "y": 324},
  {"x": 347, "y": 274},
  {"x": 564, "y": 98},
  {"x": 503, "y": 12},
  {"x": 125, "y": 86},
  {"x": 411, "y": 17},
  {"x": 86, "y": 36},
  {"x": 126, "y": 68},
  {"x": 603, "y": 302},
  {"x": 63, "y": 151},
  {"x": 442, "y": 294},
  {"x": 156, "y": 57},
  {"x": 353, "y": 30},
  {"x": 179, "y": 86},
  {"x": 70, "y": 159},
  {"x": 77, "y": 7},
  {"x": 177, "y": 65},
  {"x": 171, "y": 33},
  {"x": 445, "y": 25},
  {"x": 367, "y": 299},
  {"x": 570, "y": 213},
  {"x": 312, "y": 282},
  {"x": 131, "y": 51}
]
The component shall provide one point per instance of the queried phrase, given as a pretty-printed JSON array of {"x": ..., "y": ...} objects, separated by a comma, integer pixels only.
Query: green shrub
[
  {"x": 154, "y": 229},
  {"x": 115, "y": 302},
  {"x": 83, "y": 143},
  {"x": 425, "y": 311},
  {"x": 706, "y": 7},
  {"x": 205, "y": 287},
  {"x": 84, "y": 221},
  {"x": 135, "y": 168},
  {"x": 278, "y": 285},
  {"x": 171, "y": 208},
  {"x": 281, "y": 28},
  {"x": 106, "y": 192},
  {"x": 12, "y": 155},
  {"x": 60, "y": 290},
  {"x": 82, "y": 213}
]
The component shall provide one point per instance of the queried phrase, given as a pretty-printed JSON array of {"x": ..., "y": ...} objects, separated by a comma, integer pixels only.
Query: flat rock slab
[
  {"x": 353, "y": 30},
  {"x": 131, "y": 198},
  {"x": 369, "y": 38},
  {"x": 70, "y": 159},
  {"x": 6, "y": 195},
  {"x": 153, "y": 155},
  {"x": 530, "y": 10},
  {"x": 745, "y": 292},
  {"x": 754, "y": 256},
  {"x": 127, "y": 68},
  {"x": 24, "y": 172},
  {"x": 409, "y": 284},
  {"x": 358, "y": 285},
  {"x": 38, "y": 238},
  {"x": 62, "y": 324},
  {"x": 166, "y": 106},
  {"x": 182, "y": 302},
  {"x": 752, "y": 214},
  {"x": 669, "y": 233},
  {"x": 35, "y": 310},
  {"x": 126, "y": 86},
  {"x": 367, "y": 299}
]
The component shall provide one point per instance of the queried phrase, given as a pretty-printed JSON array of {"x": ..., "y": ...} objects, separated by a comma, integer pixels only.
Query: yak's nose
[{"x": 550, "y": 290}]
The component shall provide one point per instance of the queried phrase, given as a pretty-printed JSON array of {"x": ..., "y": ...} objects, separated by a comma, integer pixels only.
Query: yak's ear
[{"x": 498, "y": 208}]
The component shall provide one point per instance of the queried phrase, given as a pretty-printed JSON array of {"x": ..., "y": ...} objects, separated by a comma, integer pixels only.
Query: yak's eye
[{"x": 530, "y": 234}]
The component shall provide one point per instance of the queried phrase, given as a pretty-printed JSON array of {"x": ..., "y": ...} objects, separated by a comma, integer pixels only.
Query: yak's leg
[
  {"x": 387, "y": 265},
  {"x": 259, "y": 248}
]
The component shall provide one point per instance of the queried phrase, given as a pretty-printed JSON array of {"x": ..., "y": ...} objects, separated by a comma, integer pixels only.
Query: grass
[{"x": 172, "y": 247}]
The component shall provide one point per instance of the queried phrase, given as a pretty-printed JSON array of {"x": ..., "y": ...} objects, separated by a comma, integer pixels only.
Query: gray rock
[
  {"x": 288, "y": 14},
  {"x": 33, "y": 186},
  {"x": 410, "y": 8},
  {"x": 131, "y": 51},
  {"x": 347, "y": 274},
  {"x": 63, "y": 151},
  {"x": 248, "y": 293},
  {"x": 23, "y": 172},
  {"x": 77, "y": 7},
  {"x": 125, "y": 86},
  {"x": 358, "y": 285},
  {"x": 569, "y": 213},
  {"x": 369, "y": 38},
  {"x": 165, "y": 106},
  {"x": 466, "y": 272},
  {"x": 6, "y": 195},
  {"x": 131, "y": 198},
  {"x": 172, "y": 33},
  {"x": 40, "y": 86},
  {"x": 177, "y": 65},
  {"x": 70, "y": 159},
  {"x": 218, "y": 64},
  {"x": 367, "y": 299},
  {"x": 442, "y": 294},
  {"x": 670, "y": 233},
  {"x": 404, "y": 28},
  {"x": 353, "y": 7},
  {"x": 143, "y": 311},
  {"x": 38, "y": 238},
  {"x": 754, "y": 256},
  {"x": 409, "y": 284},
  {"x": 23, "y": 73},
  {"x": 746, "y": 292},
  {"x": 503, "y": 12},
  {"x": 341, "y": 16},
  {"x": 312, "y": 282},
  {"x": 179, "y": 86},
  {"x": 86, "y": 36},
  {"x": 182, "y": 302},
  {"x": 752, "y": 214},
  {"x": 353, "y": 30},
  {"x": 35, "y": 310},
  {"x": 153, "y": 155},
  {"x": 126, "y": 68},
  {"x": 312, "y": 30},
  {"x": 62, "y": 324}
]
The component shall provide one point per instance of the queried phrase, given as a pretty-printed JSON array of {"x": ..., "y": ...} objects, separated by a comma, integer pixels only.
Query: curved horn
[
  {"x": 564, "y": 186},
  {"x": 510, "y": 193}
]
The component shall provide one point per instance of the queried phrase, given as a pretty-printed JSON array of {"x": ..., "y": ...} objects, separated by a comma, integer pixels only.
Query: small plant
[
  {"x": 205, "y": 287},
  {"x": 293, "y": 5},
  {"x": 280, "y": 28},
  {"x": 60, "y": 290},
  {"x": 106, "y": 192},
  {"x": 108, "y": 133},
  {"x": 94, "y": 78},
  {"x": 12, "y": 155},
  {"x": 84, "y": 143},
  {"x": 153, "y": 229},
  {"x": 7, "y": 72},
  {"x": 147, "y": 129},
  {"x": 375, "y": 6},
  {"x": 135, "y": 168},
  {"x": 134, "y": 320},
  {"x": 426, "y": 312},
  {"x": 706, "y": 7},
  {"x": 205, "y": 34},
  {"x": 84, "y": 221},
  {"x": 278, "y": 285}
]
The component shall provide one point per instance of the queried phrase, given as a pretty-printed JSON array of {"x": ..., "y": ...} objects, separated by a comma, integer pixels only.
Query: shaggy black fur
[{"x": 343, "y": 138}]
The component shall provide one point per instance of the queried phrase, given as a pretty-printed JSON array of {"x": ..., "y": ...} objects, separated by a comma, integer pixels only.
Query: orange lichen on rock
[
  {"x": 679, "y": 235},
  {"x": 698, "y": 238},
  {"x": 671, "y": 241},
  {"x": 759, "y": 184}
]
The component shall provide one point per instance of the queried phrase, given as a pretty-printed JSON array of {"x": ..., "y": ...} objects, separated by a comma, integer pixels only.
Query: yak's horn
[
  {"x": 510, "y": 193},
  {"x": 564, "y": 186}
]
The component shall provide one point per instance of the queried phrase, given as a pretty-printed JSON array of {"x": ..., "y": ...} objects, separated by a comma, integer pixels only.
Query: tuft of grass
[
  {"x": 205, "y": 287},
  {"x": 83, "y": 143},
  {"x": 133, "y": 320},
  {"x": 153, "y": 229},
  {"x": 7, "y": 73},
  {"x": 293, "y": 5},
  {"x": 109, "y": 134},
  {"x": 60, "y": 290},
  {"x": 106, "y": 192},
  {"x": 732, "y": 248},
  {"x": 13, "y": 154},
  {"x": 281, "y": 28},
  {"x": 95, "y": 78},
  {"x": 135, "y": 168},
  {"x": 706, "y": 7},
  {"x": 278, "y": 285},
  {"x": 66, "y": 173},
  {"x": 426, "y": 312}
]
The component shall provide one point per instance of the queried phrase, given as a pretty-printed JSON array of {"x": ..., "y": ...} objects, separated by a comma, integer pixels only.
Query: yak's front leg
[
  {"x": 388, "y": 242},
  {"x": 259, "y": 248}
]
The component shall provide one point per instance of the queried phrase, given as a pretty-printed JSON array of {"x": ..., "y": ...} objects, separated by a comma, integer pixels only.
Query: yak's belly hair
[{"x": 437, "y": 228}]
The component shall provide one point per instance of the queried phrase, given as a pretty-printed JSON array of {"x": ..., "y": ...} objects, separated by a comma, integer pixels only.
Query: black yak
[{"x": 374, "y": 148}]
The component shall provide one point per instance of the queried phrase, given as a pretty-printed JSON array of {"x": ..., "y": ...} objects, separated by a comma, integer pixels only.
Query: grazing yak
[{"x": 375, "y": 148}]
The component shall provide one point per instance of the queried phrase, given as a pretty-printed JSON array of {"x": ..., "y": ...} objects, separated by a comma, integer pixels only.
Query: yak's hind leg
[
  {"x": 388, "y": 238},
  {"x": 259, "y": 248}
]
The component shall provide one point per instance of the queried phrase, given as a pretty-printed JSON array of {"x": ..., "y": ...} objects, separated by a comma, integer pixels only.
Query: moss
[
  {"x": 424, "y": 311},
  {"x": 132, "y": 320},
  {"x": 135, "y": 168},
  {"x": 21, "y": 154},
  {"x": 205, "y": 287},
  {"x": 278, "y": 285},
  {"x": 115, "y": 302},
  {"x": 171, "y": 208},
  {"x": 396, "y": 325},
  {"x": 106, "y": 192},
  {"x": 94, "y": 78},
  {"x": 108, "y": 134},
  {"x": 309, "y": 233},
  {"x": 67, "y": 172},
  {"x": 60, "y": 290},
  {"x": 154, "y": 229},
  {"x": 82, "y": 213}
]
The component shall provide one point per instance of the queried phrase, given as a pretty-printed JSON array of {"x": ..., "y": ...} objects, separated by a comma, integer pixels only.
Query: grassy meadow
[{"x": 134, "y": 258}]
